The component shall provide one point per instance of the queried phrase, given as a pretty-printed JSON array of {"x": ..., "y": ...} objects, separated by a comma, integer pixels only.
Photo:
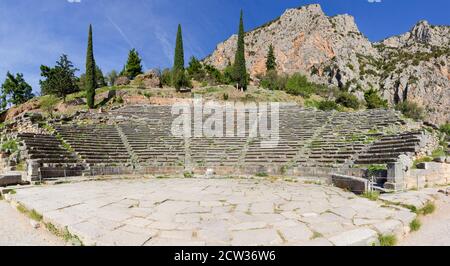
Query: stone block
[
  {"x": 10, "y": 179},
  {"x": 357, "y": 237},
  {"x": 355, "y": 184}
]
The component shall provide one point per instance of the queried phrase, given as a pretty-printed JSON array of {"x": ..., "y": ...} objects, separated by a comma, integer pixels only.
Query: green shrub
[
  {"x": 348, "y": 100},
  {"x": 225, "y": 96},
  {"x": 373, "y": 169},
  {"x": 445, "y": 128},
  {"x": 373, "y": 100},
  {"x": 328, "y": 105},
  {"x": 166, "y": 77},
  {"x": 273, "y": 81},
  {"x": 10, "y": 146},
  {"x": 180, "y": 80},
  {"x": 298, "y": 84},
  {"x": 411, "y": 110}
]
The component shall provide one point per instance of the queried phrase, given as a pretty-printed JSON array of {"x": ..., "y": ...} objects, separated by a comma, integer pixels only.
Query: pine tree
[
  {"x": 178, "y": 62},
  {"x": 271, "y": 64},
  {"x": 133, "y": 66},
  {"x": 59, "y": 80},
  {"x": 91, "y": 82},
  {"x": 240, "y": 70},
  {"x": 15, "y": 90}
]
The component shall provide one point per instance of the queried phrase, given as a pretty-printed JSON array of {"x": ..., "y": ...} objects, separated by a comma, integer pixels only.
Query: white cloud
[
  {"x": 74, "y": 1},
  {"x": 374, "y": 1}
]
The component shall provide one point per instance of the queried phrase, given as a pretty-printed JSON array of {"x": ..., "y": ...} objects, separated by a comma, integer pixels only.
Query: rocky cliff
[{"x": 332, "y": 50}]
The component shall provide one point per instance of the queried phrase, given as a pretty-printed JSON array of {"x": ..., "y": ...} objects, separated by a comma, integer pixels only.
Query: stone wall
[{"x": 429, "y": 174}]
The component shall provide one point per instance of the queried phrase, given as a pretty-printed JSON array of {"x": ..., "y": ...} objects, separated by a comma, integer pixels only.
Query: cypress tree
[
  {"x": 271, "y": 64},
  {"x": 91, "y": 82},
  {"x": 240, "y": 71},
  {"x": 178, "y": 62},
  {"x": 179, "y": 79}
]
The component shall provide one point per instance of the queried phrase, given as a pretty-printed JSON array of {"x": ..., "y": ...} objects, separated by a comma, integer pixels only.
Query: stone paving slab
[
  {"x": 213, "y": 212},
  {"x": 417, "y": 198}
]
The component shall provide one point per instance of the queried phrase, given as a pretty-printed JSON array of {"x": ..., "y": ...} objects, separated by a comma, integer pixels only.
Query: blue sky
[{"x": 38, "y": 32}]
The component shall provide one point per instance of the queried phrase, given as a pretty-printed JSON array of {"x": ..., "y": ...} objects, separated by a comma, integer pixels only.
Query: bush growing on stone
[
  {"x": 411, "y": 110},
  {"x": 373, "y": 100},
  {"x": 348, "y": 100},
  {"x": 10, "y": 146},
  {"x": 328, "y": 106},
  {"x": 445, "y": 129}
]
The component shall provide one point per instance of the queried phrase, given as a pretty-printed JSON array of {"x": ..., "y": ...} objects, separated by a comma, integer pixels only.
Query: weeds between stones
[
  {"x": 372, "y": 195},
  {"x": 387, "y": 240},
  {"x": 415, "y": 225},
  {"x": 429, "y": 208},
  {"x": 33, "y": 215}
]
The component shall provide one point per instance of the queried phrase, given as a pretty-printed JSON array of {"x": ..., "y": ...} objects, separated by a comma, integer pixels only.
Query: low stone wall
[
  {"x": 428, "y": 174},
  {"x": 319, "y": 173},
  {"x": 357, "y": 185}
]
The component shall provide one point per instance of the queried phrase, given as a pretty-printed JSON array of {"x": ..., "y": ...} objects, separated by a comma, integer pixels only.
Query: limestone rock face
[
  {"x": 120, "y": 81},
  {"x": 332, "y": 51},
  {"x": 148, "y": 80}
]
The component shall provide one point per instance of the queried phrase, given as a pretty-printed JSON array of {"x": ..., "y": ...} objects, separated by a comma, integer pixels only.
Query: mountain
[{"x": 331, "y": 50}]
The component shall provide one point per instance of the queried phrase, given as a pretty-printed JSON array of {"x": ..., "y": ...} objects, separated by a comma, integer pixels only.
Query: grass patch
[
  {"x": 422, "y": 160},
  {"x": 373, "y": 195},
  {"x": 34, "y": 215},
  {"x": 64, "y": 234},
  {"x": 262, "y": 174},
  {"x": 1, "y": 197},
  {"x": 12, "y": 192},
  {"x": 387, "y": 240},
  {"x": 429, "y": 208},
  {"x": 415, "y": 225},
  {"x": 316, "y": 235},
  {"x": 188, "y": 175}
]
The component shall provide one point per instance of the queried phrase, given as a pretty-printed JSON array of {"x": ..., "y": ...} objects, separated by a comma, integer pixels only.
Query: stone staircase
[
  {"x": 96, "y": 144},
  {"x": 389, "y": 148}
]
